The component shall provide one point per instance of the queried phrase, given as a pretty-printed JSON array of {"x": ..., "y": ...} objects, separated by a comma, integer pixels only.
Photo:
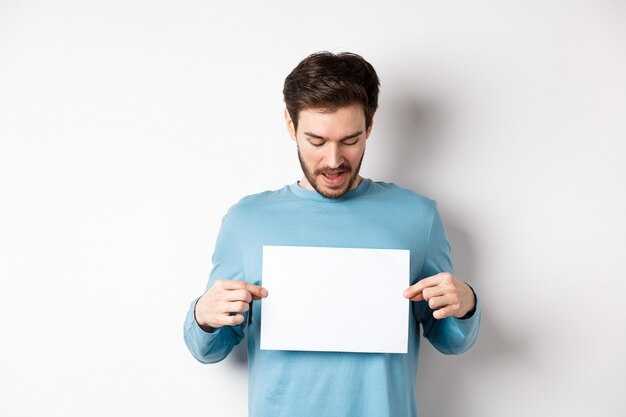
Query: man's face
[{"x": 331, "y": 146}]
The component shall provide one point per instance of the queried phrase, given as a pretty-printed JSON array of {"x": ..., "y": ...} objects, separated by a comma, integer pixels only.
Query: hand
[
  {"x": 214, "y": 308},
  {"x": 445, "y": 294}
]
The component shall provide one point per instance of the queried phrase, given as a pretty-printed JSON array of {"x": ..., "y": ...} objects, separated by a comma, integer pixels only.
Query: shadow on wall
[
  {"x": 417, "y": 138},
  {"x": 443, "y": 378},
  {"x": 415, "y": 129}
]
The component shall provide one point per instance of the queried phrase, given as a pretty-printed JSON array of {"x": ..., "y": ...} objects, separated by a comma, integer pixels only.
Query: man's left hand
[{"x": 445, "y": 294}]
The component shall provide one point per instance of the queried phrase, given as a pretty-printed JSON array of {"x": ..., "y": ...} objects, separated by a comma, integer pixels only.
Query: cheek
[
  {"x": 311, "y": 158},
  {"x": 353, "y": 155}
]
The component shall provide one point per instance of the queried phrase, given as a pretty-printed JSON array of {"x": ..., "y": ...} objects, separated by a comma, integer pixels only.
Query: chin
[{"x": 333, "y": 193}]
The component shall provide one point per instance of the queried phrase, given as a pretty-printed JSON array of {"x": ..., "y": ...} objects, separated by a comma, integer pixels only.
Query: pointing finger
[
  {"x": 257, "y": 291},
  {"x": 415, "y": 290},
  {"x": 238, "y": 295}
]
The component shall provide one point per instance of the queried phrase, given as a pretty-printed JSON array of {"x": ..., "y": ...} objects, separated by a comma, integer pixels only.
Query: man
[{"x": 330, "y": 103}]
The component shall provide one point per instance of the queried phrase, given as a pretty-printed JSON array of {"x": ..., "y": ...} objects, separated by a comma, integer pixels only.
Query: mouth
[{"x": 334, "y": 178}]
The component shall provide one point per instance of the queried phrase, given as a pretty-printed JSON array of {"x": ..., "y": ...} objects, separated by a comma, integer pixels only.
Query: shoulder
[
  {"x": 401, "y": 195},
  {"x": 254, "y": 202}
]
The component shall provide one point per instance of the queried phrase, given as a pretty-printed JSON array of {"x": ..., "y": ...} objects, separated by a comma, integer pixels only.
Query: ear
[{"x": 290, "y": 127}]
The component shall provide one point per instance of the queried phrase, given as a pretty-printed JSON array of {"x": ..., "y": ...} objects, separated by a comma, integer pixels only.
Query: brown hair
[{"x": 328, "y": 81}]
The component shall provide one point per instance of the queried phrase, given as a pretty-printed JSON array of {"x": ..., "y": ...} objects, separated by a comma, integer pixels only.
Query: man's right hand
[{"x": 214, "y": 308}]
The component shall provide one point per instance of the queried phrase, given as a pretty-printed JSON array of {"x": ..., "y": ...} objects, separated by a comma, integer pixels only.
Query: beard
[{"x": 312, "y": 175}]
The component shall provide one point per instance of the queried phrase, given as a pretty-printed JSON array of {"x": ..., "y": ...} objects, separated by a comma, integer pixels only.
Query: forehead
[{"x": 339, "y": 122}]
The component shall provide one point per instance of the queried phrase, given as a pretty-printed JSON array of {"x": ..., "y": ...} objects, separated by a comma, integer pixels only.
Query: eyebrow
[{"x": 353, "y": 135}]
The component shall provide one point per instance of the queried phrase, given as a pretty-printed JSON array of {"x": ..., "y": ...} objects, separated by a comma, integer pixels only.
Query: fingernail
[
  {"x": 264, "y": 292},
  {"x": 405, "y": 293}
]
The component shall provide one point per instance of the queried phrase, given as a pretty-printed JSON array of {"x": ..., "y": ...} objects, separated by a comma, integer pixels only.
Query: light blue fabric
[{"x": 320, "y": 384}]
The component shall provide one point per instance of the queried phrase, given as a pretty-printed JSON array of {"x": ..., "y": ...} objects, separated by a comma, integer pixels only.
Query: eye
[
  {"x": 351, "y": 142},
  {"x": 316, "y": 142}
]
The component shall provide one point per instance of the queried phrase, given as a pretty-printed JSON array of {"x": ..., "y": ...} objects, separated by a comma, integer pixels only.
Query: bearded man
[{"x": 330, "y": 104}]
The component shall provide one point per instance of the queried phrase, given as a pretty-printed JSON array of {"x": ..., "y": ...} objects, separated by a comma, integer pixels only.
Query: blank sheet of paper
[{"x": 335, "y": 299}]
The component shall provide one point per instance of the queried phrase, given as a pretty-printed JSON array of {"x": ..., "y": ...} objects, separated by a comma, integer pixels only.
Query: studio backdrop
[{"x": 128, "y": 128}]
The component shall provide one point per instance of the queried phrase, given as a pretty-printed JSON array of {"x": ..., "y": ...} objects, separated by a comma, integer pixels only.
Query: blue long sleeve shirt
[{"x": 337, "y": 384}]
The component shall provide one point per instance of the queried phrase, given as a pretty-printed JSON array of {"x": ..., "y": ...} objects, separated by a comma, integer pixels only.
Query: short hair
[{"x": 328, "y": 81}]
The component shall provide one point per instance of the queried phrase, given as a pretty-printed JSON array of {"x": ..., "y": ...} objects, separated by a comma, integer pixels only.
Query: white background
[{"x": 127, "y": 128}]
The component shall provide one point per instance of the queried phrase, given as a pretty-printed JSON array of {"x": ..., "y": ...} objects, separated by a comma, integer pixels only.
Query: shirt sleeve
[
  {"x": 227, "y": 264},
  {"x": 450, "y": 335}
]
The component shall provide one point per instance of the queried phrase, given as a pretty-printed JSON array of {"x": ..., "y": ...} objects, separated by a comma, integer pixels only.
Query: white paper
[{"x": 335, "y": 299}]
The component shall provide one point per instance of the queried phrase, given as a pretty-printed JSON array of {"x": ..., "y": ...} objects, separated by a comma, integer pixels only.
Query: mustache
[{"x": 341, "y": 168}]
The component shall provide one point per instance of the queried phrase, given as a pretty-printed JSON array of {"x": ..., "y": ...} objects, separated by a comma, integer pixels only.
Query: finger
[
  {"x": 438, "y": 302},
  {"x": 237, "y": 295},
  {"x": 232, "y": 284},
  {"x": 257, "y": 291},
  {"x": 418, "y": 297},
  {"x": 233, "y": 320},
  {"x": 436, "y": 291},
  {"x": 236, "y": 307},
  {"x": 417, "y": 288},
  {"x": 442, "y": 313},
  {"x": 232, "y": 307}
]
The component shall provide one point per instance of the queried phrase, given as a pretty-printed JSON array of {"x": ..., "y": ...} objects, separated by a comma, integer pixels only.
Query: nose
[{"x": 333, "y": 157}]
